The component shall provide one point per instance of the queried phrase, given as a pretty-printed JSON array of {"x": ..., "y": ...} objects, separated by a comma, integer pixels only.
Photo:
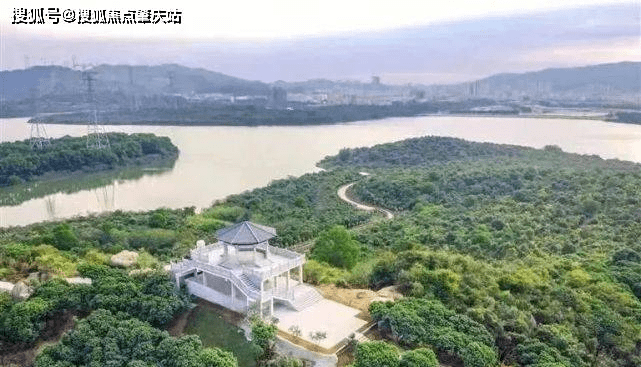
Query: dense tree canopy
[
  {"x": 150, "y": 297},
  {"x": 551, "y": 239},
  {"x": 106, "y": 339},
  {"x": 376, "y": 354},
  {"x": 19, "y": 162}
]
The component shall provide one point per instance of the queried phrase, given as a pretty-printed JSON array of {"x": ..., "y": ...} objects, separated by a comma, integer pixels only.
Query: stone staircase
[
  {"x": 246, "y": 280},
  {"x": 306, "y": 298}
]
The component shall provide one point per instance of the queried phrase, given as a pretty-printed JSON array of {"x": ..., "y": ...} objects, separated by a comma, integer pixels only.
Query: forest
[
  {"x": 20, "y": 163},
  {"x": 506, "y": 255}
]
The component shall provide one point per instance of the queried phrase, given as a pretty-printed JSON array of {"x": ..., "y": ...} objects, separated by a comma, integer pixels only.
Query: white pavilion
[{"x": 243, "y": 272}]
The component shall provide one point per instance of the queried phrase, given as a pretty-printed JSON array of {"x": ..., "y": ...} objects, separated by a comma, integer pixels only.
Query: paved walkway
[
  {"x": 288, "y": 348},
  {"x": 342, "y": 194},
  {"x": 336, "y": 320}
]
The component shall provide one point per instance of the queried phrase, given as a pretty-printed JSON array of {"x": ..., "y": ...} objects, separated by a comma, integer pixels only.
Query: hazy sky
[{"x": 402, "y": 41}]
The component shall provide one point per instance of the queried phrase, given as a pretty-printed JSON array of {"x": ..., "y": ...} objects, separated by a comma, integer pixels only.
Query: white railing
[
  {"x": 216, "y": 297},
  {"x": 283, "y": 294},
  {"x": 277, "y": 270},
  {"x": 188, "y": 265},
  {"x": 284, "y": 252},
  {"x": 182, "y": 266},
  {"x": 200, "y": 260},
  {"x": 249, "y": 290},
  {"x": 202, "y": 253}
]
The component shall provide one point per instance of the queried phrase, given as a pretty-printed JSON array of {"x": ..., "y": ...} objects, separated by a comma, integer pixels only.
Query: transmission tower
[
  {"x": 38, "y": 139},
  {"x": 96, "y": 135}
]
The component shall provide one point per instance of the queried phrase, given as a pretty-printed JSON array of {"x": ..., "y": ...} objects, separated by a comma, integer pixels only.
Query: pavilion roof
[{"x": 245, "y": 233}]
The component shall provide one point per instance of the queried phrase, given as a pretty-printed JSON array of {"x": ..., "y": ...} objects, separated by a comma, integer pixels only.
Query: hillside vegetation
[
  {"x": 538, "y": 246},
  {"x": 506, "y": 255}
]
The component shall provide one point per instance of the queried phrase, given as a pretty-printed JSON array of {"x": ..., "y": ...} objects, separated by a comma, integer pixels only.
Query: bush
[
  {"x": 147, "y": 261},
  {"x": 415, "y": 322},
  {"x": 376, "y": 354},
  {"x": 97, "y": 257},
  {"x": 226, "y": 213},
  {"x": 478, "y": 355},
  {"x": 49, "y": 259},
  {"x": 337, "y": 247},
  {"x": 321, "y": 273},
  {"x": 157, "y": 241},
  {"x": 23, "y": 322},
  {"x": 107, "y": 339},
  {"x": 421, "y": 357},
  {"x": 64, "y": 238},
  {"x": 264, "y": 336},
  {"x": 205, "y": 224}
]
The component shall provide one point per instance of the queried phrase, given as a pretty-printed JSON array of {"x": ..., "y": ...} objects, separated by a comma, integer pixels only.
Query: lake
[{"x": 216, "y": 161}]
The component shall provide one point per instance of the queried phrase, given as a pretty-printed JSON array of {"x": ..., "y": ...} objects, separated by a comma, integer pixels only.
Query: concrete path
[
  {"x": 342, "y": 194},
  {"x": 285, "y": 347}
]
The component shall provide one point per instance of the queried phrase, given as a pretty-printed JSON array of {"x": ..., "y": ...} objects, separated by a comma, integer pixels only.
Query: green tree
[
  {"x": 376, "y": 354},
  {"x": 337, "y": 247},
  {"x": 64, "y": 238},
  {"x": 105, "y": 339},
  {"x": 264, "y": 336},
  {"x": 24, "y": 321}
]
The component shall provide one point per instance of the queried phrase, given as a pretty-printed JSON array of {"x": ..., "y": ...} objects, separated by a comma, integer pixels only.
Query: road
[{"x": 342, "y": 194}]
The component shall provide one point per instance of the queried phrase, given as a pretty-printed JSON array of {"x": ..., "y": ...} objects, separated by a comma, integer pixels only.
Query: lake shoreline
[
  {"x": 9, "y": 195},
  {"x": 218, "y": 161},
  {"x": 204, "y": 123}
]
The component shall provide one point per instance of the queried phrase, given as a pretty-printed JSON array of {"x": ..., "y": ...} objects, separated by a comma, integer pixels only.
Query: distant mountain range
[
  {"x": 52, "y": 81},
  {"x": 596, "y": 81},
  {"x": 57, "y": 89}
]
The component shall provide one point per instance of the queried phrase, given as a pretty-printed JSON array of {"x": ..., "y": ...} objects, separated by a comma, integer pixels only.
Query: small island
[{"x": 20, "y": 162}]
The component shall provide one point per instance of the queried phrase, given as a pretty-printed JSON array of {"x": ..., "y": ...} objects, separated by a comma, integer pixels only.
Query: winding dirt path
[{"x": 342, "y": 194}]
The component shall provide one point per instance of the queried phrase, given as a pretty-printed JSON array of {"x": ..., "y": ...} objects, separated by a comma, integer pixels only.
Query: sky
[{"x": 402, "y": 41}]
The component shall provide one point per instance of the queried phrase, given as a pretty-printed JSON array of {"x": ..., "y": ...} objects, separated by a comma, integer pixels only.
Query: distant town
[{"x": 174, "y": 94}]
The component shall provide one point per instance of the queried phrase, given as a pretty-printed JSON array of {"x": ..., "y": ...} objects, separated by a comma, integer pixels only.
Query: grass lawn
[{"x": 215, "y": 329}]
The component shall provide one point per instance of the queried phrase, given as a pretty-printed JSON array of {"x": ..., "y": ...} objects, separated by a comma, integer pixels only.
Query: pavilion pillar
[
  {"x": 233, "y": 293},
  {"x": 260, "y": 300},
  {"x": 287, "y": 281},
  {"x": 271, "y": 307},
  {"x": 300, "y": 273}
]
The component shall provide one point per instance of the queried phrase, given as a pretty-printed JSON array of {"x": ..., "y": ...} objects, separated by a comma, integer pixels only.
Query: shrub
[
  {"x": 64, "y": 238},
  {"x": 321, "y": 273},
  {"x": 421, "y": 357},
  {"x": 376, "y": 354},
  {"x": 24, "y": 320},
  {"x": 157, "y": 241},
  {"x": 107, "y": 339},
  {"x": 205, "y": 224},
  {"x": 97, "y": 257},
  {"x": 146, "y": 260},
  {"x": 226, "y": 213},
  {"x": 337, "y": 247},
  {"x": 478, "y": 355},
  {"x": 49, "y": 259},
  {"x": 264, "y": 336}
]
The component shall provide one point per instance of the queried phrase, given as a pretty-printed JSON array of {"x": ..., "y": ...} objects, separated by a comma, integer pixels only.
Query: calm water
[{"x": 217, "y": 161}]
